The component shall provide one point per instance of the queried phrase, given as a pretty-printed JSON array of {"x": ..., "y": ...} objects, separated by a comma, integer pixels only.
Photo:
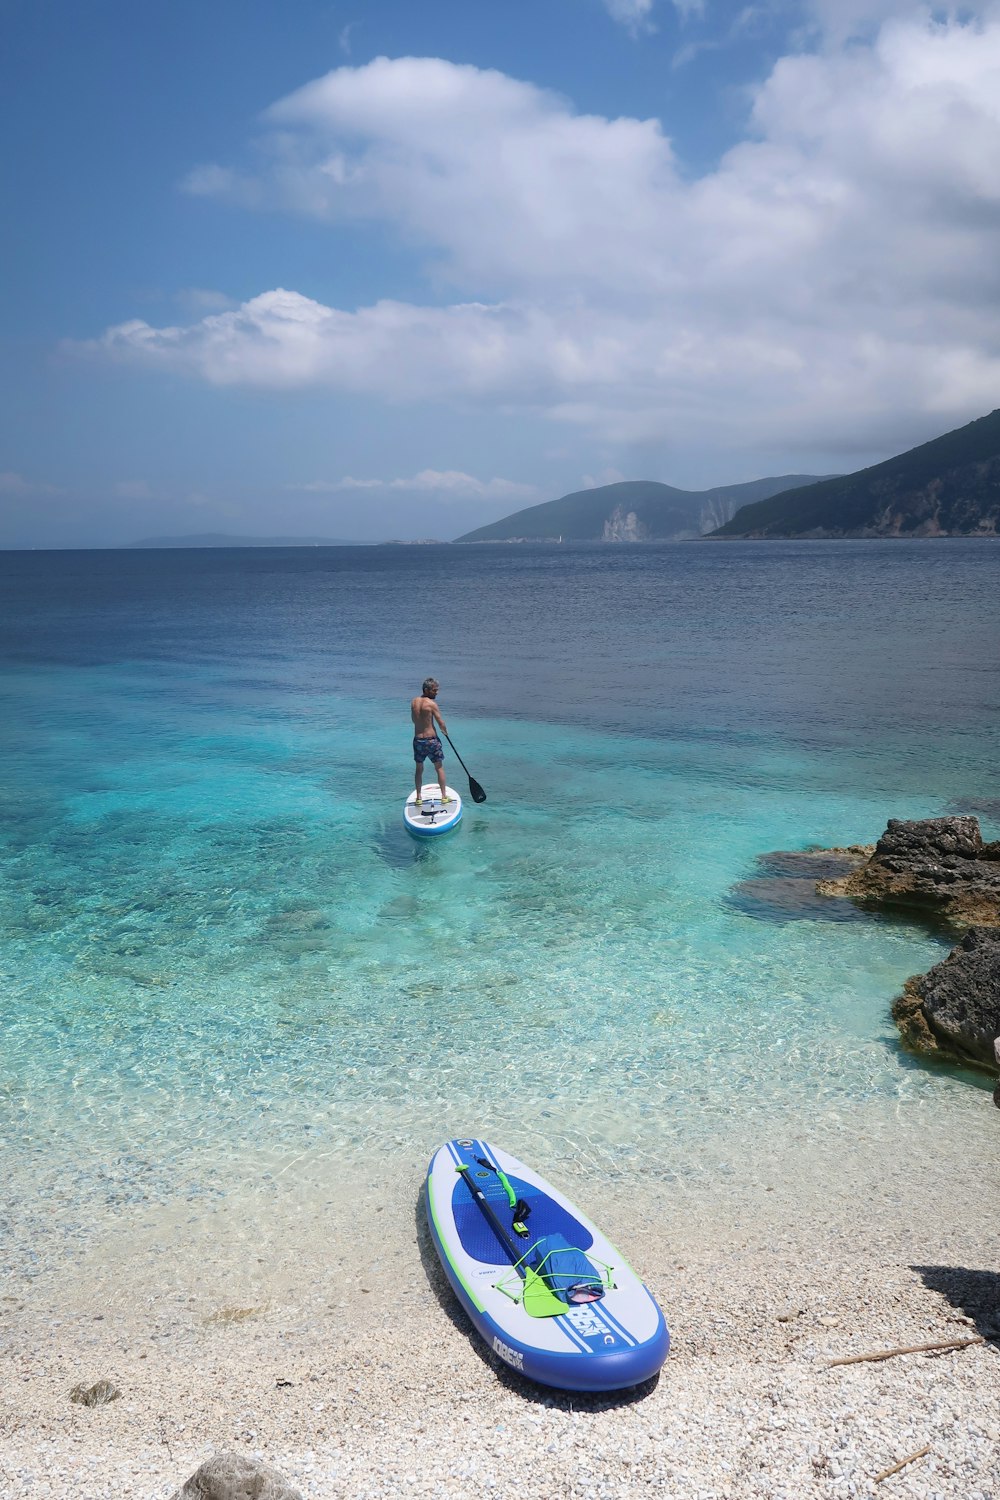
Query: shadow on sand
[
  {"x": 541, "y": 1395},
  {"x": 974, "y": 1293}
]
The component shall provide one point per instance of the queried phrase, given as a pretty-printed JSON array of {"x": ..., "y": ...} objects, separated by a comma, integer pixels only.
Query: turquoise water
[{"x": 225, "y": 964}]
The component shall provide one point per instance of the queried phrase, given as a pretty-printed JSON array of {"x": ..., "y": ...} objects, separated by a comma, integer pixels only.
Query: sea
[{"x": 231, "y": 984}]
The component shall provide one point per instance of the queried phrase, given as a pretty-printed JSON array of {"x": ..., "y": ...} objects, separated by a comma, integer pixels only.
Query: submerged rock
[
  {"x": 230, "y": 1476},
  {"x": 953, "y": 1011},
  {"x": 938, "y": 866},
  {"x": 785, "y": 887}
]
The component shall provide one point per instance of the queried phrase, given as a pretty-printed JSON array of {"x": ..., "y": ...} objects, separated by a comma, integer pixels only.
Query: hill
[
  {"x": 637, "y": 510},
  {"x": 947, "y": 487},
  {"x": 221, "y": 539}
]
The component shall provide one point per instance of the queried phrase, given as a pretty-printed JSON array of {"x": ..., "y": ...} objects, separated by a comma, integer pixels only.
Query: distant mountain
[
  {"x": 947, "y": 487},
  {"x": 637, "y": 510},
  {"x": 221, "y": 539}
]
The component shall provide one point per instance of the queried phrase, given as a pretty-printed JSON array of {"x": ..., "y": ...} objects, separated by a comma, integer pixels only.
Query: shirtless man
[{"x": 424, "y": 713}]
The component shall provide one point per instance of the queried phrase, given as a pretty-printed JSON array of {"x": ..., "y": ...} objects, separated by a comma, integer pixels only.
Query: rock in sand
[{"x": 230, "y": 1476}]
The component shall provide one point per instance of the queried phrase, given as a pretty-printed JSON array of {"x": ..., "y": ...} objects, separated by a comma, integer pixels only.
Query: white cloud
[
  {"x": 840, "y": 20},
  {"x": 634, "y": 15},
  {"x": 446, "y": 483},
  {"x": 21, "y": 488},
  {"x": 840, "y": 264}
]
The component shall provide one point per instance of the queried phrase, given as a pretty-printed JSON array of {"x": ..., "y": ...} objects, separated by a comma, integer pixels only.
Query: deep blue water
[{"x": 224, "y": 960}]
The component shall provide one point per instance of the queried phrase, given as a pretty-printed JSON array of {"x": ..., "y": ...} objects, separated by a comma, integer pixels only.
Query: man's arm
[{"x": 435, "y": 714}]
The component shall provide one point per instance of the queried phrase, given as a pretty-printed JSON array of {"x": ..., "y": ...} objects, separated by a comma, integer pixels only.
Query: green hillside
[
  {"x": 947, "y": 487},
  {"x": 635, "y": 510}
]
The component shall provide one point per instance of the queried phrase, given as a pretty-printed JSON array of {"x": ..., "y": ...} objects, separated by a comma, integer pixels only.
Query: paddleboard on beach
[
  {"x": 433, "y": 815},
  {"x": 543, "y": 1286}
]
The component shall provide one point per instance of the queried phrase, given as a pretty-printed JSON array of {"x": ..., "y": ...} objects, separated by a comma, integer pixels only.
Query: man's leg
[
  {"x": 418, "y": 777},
  {"x": 441, "y": 781}
]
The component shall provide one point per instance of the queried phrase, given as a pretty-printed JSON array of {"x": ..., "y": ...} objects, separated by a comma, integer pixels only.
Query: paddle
[
  {"x": 475, "y": 790},
  {"x": 539, "y": 1298}
]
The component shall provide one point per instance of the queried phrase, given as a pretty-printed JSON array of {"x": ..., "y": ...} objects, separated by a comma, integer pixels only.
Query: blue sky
[{"x": 398, "y": 267}]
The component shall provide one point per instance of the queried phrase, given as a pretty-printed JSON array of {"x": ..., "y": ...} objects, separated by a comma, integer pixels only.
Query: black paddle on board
[
  {"x": 475, "y": 790},
  {"x": 539, "y": 1298}
]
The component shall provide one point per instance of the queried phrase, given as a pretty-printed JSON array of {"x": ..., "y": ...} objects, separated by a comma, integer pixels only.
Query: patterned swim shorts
[{"x": 428, "y": 746}]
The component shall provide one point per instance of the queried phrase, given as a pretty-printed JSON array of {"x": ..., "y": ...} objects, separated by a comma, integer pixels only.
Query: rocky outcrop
[
  {"x": 941, "y": 868},
  {"x": 953, "y": 1011},
  {"x": 624, "y": 526},
  {"x": 230, "y": 1476},
  {"x": 938, "y": 866}
]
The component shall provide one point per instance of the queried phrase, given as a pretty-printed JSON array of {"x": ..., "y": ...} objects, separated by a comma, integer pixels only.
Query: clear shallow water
[{"x": 226, "y": 969}]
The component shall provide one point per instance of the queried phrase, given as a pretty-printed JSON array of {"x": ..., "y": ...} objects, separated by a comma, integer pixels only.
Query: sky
[{"x": 396, "y": 268}]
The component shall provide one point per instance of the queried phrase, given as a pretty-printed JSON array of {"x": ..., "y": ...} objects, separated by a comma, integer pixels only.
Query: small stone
[{"x": 98, "y": 1394}]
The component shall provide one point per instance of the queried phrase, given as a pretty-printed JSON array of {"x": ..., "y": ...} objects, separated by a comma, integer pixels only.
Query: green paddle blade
[{"x": 539, "y": 1300}]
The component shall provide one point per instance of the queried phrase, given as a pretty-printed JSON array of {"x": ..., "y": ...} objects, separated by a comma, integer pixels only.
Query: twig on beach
[
  {"x": 855, "y": 1359},
  {"x": 909, "y": 1459}
]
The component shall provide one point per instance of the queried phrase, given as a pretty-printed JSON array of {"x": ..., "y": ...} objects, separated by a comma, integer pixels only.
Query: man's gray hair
[{"x": 430, "y": 683}]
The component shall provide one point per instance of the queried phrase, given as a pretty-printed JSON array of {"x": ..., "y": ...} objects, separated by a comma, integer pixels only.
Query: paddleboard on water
[
  {"x": 543, "y": 1286},
  {"x": 432, "y": 816}
]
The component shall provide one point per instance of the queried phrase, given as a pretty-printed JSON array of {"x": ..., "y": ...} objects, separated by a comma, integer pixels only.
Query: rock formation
[
  {"x": 622, "y": 526},
  {"x": 938, "y": 866},
  {"x": 953, "y": 1011}
]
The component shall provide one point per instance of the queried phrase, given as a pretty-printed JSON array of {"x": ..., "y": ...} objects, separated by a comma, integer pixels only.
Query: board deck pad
[
  {"x": 612, "y": 1343},
  {"x": 432, "y": 816},
  {"x": 545, "y": 1217}
]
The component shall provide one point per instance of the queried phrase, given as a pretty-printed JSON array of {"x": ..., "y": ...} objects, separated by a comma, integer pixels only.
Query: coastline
[{"x": 390, "y": 1391}]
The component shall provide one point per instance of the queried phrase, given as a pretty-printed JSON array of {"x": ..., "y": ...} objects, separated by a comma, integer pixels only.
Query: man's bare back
[
  {"x": 426, "y": 746},
  {"x": 424, "y": 712}
]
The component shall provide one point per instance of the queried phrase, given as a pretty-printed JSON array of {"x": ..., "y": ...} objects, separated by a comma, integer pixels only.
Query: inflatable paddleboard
[
  {"x": 543, "y": 1286},
  {"x": 433, "y": 815}
]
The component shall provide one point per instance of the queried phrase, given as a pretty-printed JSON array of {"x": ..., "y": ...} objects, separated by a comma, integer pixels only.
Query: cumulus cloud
[
  {"x": 841, "y": 262},
  {"x": 840, "y": 20},
  {"x": 444, "y": 483}
]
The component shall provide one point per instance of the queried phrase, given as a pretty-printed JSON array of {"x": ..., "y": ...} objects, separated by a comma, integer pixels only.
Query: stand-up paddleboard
[
  {"x": 433, "y": 815},
  {"x": 542, "y": 1285}
]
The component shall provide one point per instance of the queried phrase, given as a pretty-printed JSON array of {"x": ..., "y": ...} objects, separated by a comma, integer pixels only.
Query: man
[{"x": 424, "y": 713}]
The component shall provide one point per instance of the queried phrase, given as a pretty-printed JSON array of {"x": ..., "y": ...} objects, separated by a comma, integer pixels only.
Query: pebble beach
[{"x": 361, "y": 1377}]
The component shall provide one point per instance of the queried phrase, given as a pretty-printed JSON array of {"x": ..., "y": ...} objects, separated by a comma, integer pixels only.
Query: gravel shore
[{"x": 367, "y": 1381}]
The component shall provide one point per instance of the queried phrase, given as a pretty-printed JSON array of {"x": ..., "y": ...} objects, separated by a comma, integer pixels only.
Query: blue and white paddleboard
[
  {"x": 433, "y": 815},
  {"x": 544, "y": 1288}
]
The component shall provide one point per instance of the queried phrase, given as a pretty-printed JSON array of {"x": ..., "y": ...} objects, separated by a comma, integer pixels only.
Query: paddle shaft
[
  {"x": 515, "y": 1252},
  {"x": 478, "y": 795}
]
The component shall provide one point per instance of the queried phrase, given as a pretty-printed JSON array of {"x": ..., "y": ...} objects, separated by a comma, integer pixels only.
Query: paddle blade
[
  {"x": 478, "y": 795},
  {"x": 540, "y": 1301}
]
